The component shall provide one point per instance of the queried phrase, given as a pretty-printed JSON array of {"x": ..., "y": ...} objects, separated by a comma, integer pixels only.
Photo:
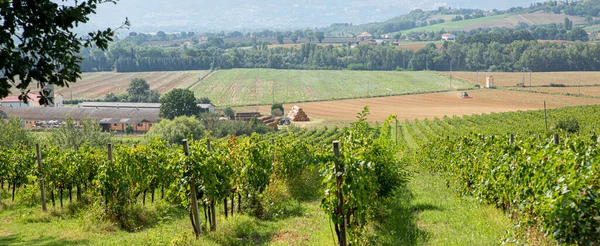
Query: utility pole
[
  {"x": 273, "y": 89},
  {"x": 529, "y": 79},
  {"x": 523, "y": 79},
  {"x": 427, "y": 62},
  {"x": 450, "y": 73},
  {"x": 477, "y": 77}
]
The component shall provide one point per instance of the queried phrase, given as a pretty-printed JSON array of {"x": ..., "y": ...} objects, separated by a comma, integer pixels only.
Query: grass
[
  {"x": 238, "y": 87},
  {"x": 454, "y": 25},
  {"x": 443, "y": 218}
]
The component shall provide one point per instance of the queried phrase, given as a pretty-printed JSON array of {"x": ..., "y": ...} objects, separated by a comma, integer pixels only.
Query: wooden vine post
[
  {"x": 340, "y": 228},
  {"x": 110, "y": 159},
  {"x": 41, "y": 170},
  {"x": 556, "y": 141},
  {"x": 512, "y": 138},
  {"x": 194, "y": 195},
  {"x": 213, "y": 215}
]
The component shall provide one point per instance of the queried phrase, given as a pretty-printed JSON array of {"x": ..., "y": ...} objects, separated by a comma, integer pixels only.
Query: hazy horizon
[{"x": 204, "y": 16}]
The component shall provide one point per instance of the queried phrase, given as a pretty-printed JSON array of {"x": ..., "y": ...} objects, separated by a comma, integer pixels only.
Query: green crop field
[
  {"x": 505, "y": 20},
  {"x": 260, "y": 86},
  {"x": 455, "y": 25}
]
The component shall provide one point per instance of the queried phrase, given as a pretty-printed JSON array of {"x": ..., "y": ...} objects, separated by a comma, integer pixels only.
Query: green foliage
[
  {"x": 578, "y": 34},
  {"x": 70, "y": 135},
  {"x": 569, "y": 125},
  {"x": 229, "y": 113},
  {"x": 367, "y": 171},
  {"x": 277, "y": 106},
  {"x": 129, "y": 129},
  {"x": 12, "y": 134},
  {"x": 174, "y": 131},
  {"x": 139, "y": 91},
  {"x": 276, "y": 112},
  {"x": 48, "y": 34},
  {"x": 204, "y": 100},
  {"x": 178, "y": 102}
]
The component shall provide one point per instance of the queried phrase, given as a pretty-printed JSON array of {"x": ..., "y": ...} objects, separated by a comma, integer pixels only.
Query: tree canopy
[
  {"x": 37, "y": 43},
  {"x": 178, "y": 102}
]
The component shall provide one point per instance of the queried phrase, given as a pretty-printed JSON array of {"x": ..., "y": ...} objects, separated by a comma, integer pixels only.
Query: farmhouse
[
  {"x": 110, "y": 119},
  {"x": 12, "y": 101},
  {"x": 448, "y": 37},
  {"x": 207, "y": 107},
  {"x": 365, "y": 35}
]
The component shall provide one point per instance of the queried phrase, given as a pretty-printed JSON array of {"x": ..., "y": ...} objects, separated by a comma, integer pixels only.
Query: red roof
[{"x": 15, "y": 98}]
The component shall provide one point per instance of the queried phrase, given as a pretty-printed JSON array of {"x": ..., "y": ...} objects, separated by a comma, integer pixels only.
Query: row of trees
[{"x": 512, "y": 51}]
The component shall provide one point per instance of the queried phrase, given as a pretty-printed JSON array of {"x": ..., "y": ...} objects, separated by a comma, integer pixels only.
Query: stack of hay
[{"x": 297, "y": 114}]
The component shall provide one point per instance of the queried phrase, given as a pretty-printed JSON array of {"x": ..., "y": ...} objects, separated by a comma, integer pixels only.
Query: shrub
[
  {"x": 277, "y": 106},
  {"x": 569, "y": 125},
  {"x": 276, "y": 112},
  {"x": 129, "y": 129}
]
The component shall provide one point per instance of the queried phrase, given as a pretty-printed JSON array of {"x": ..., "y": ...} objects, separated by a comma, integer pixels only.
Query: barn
[{"x": 110, "y": 119}]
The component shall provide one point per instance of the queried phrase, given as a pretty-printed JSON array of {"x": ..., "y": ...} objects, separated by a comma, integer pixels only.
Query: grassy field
[
  {"x": 502, "y": 79},
  {"x": 259, "y": 86},
  {"x": 505, "y": 20},
  {"x": 96, "y": 85}
]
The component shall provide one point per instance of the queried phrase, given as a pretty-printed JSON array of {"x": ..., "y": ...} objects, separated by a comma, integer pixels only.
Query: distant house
[
  {"x": 448, "y": 37},
  {"x": 110, "y": 119},
  {"x": 365, "y": 36},
  {"x": 387, "y": 36},
  {"x": 207, "y": 108},
  {"x": 12, "y": 101}
]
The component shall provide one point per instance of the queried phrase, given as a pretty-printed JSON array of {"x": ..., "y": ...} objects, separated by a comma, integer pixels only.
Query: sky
[{"x": 229, "y": 15}]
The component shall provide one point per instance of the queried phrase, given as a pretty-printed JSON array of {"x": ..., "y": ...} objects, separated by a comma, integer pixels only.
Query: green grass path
[{"x": 429, "y": 212}]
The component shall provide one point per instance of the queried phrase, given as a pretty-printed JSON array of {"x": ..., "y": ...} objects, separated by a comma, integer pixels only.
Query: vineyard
[
  {"x": 220, "y": 176},
  {"x": 539, "y": 168},
  {"x": 543, "y": 180}
]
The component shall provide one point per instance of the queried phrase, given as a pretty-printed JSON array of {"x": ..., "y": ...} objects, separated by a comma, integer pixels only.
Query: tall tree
[
  {"x": 178, "y": 102},
  {"x": 319, "y": 36},
  {"x": 37, "y": 43}
]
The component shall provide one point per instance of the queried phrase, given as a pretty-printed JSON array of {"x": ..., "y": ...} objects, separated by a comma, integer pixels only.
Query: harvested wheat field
[
  {"x": 96, "y": 85},
  {"x": 503, "y": 79},
  {"x": 438, "y": 104}
]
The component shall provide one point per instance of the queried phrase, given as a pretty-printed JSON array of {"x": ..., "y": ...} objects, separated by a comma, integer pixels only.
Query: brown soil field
[
  {"x": 502, "y": 79},
  {"x": 96, "y": 85},
  {"x": 432, "y": 105},
  {"x": 584, "y": 90}
]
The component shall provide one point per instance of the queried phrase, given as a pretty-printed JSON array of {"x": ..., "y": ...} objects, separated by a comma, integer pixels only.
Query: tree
[
  {"x": 577, "y": 34},
  {"x": 178, "y": 102},
  {"x": 294, "y": 37},
  {"x": 568, "y": 24},
  {"x": 280, "y": 38},
  {"x": 229, "y": 113},
  {"x": 37, "y": 44},
  {"x": 161, "y": 35},
  {"x": 139, "y": 91},
  {"x": 397, "y": 37},
  {"x": 69, "y": 135},
  {"x": 204, "y": 100},
  {"x": 319, "y": 36}
]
